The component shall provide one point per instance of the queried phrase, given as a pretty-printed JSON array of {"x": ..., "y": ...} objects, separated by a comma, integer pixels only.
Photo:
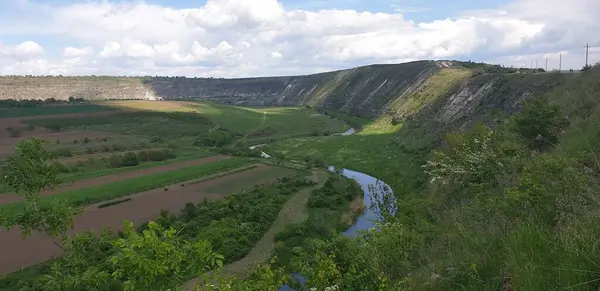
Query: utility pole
[
  {"x": 546, "y": 64},
  {"x": 537, "y": 66},
  {"x": 559, "y": 62},
  {"x": 587, "y": 50}
]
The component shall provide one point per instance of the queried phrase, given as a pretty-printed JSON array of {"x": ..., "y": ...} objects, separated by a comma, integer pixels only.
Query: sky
[{"x": 247, "y": 38}]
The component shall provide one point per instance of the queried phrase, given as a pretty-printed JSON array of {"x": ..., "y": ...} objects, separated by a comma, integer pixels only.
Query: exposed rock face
[
  {"x": 368, "y": 91},
  {"x": 363, "y": 91},
  {"x": 62, "y": 88}
]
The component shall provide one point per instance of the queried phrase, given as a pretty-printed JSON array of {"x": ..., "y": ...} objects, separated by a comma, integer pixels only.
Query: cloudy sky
[{"x": 240, "y": 38}]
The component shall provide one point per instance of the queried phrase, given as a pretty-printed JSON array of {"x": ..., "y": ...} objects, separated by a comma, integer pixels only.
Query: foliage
[
  {"x": 235, "y": 223},
  {"x": 239, "y": 151},
  {"x": 539, "y": 123},
  {"x": 155, "y": 259},
  {"x": 326, "y": 208},
  {"x": 216, "y": 138},
  {"x": 27, "y": 173},
  {"x": 147, "y": 260},
  {"x": 115, "y": 202}
]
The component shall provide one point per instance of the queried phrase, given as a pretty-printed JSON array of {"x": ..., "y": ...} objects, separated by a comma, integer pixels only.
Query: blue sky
[{"x": 268, "y": 37}]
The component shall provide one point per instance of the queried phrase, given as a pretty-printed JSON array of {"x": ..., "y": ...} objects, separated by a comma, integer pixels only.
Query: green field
[
  {"x": 49, "y": 110},
  {"x": 127, "y": 187},
  {"x": 176, "y": 119},
  {"x": 380, "y": 156}
]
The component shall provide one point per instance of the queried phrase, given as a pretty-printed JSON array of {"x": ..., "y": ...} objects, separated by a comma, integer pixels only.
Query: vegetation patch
[
  {"x": 326, "y": 207},
  {"x": 233, "y": 225},
  {"x": 115, "y": 202},
  {"x": 127, "y": 187},
  {"x": 51, "y": 110}
]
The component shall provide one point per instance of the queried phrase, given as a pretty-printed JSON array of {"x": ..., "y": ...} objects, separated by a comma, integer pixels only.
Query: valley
[{"x": 477, "y": 177}]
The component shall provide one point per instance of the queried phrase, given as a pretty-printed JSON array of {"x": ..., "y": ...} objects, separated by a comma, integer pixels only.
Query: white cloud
[
  {"x": 78, "y": 52},
  {"x": 28, "y": 49},
  {"x": 261, "y": 37}
]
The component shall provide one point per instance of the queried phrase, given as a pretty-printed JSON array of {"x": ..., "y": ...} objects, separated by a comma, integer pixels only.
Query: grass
[
  {"x": 266, "y": 176},
  {"x": 150, "y": 118},
  {"x": 48, "y": 110},
  {"x": 183, "y": 155},
  {"x": 128, "y": 187},
  {"x": 380, "y": 156}
]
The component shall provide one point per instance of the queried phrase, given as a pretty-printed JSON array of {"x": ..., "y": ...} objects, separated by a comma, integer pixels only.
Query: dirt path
[
  {"x": 293, "y": 211},
  {"x": 8, "y": 198},
  {"x": 18, "y": 252}
]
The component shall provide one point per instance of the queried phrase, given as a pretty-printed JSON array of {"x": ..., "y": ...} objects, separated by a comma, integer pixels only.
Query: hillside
[{"x": 364, "y": 91}]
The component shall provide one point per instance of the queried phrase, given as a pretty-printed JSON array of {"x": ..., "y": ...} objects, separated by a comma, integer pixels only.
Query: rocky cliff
[{"x": 401, "y": 91}]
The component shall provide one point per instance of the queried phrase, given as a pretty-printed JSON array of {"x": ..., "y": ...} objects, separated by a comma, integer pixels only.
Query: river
[{"x": 372, "y": 187}]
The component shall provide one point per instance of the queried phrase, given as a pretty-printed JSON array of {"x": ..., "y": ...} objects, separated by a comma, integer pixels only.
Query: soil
[
  {"x": 19, "y": 253},
  {"x": 7, "y": 143},
  {"x": 9, "y": 198},
  {"x": 85, "y": 157}
]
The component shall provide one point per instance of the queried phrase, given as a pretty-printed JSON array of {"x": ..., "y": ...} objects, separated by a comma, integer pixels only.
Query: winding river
[{"x": 372, "y": 187}]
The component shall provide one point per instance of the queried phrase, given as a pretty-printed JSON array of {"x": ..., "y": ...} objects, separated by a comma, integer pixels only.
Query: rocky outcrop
[
  {"x": 364, "y": 91},
  {"x": 437, "y": 91}
]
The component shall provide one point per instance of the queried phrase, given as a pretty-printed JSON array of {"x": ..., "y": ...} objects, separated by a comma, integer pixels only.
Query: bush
[
  {"x": 217, "y": 138},
  {"x": 539, "y": 123},
  {"x": 86, "y": 140},
  {"x": 14, "y": 132},
  {"x": 111, "y": 203},
  {"x": 129, "y": 160},
  {"x": 54, "y": 127},
  {"x": 63, "y": 153},
  {"x": 62, "y": 168}
]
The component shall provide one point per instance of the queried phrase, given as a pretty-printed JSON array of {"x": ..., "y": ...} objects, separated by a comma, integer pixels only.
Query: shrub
[
  {"x": 61, "y": 167},
  {"x": 14, "y": 132},
  {"x": 111, "y": 203},
  {"x": 54, "y": 127},
  {"x": 89, "y": 151},
  {"x": 129, "y": 160},
  {"x": 63, "y": 153},
  {"x": 539, "y": 123},
  {"x": 86, "y": 140}
]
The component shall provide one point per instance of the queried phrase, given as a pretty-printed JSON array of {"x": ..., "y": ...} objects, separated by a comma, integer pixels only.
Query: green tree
[
  {"x": 157, "y": 258},
  {"x": 539, "y": 123},
  {"x": 28, "y": 172}
]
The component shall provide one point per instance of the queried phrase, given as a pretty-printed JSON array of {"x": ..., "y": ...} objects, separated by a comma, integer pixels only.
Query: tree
[
  {"x": 539, "y": 123},
  {"x": 158, "y": 258},
  {"x": 27, "y": 173},
  {"x": 155, "y": 259}
]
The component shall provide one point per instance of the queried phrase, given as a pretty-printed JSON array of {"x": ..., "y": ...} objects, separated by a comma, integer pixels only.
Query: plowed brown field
[{"x": 17, "y": 252}]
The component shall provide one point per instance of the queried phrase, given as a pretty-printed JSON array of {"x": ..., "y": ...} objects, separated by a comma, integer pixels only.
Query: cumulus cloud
[
  {"x": 78, "y": 52},
  {"x": 235, "y": 38},
  {"x": 28, "y": 49}
]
